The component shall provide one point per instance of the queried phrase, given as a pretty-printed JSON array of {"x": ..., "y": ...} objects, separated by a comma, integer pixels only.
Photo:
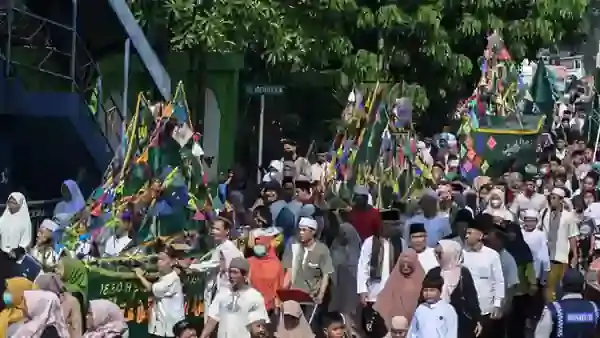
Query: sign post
[{"x": 262, "y": 90}]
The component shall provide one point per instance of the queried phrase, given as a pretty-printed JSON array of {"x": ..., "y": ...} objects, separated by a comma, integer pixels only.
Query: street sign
[{"x": 265, "y": 89}]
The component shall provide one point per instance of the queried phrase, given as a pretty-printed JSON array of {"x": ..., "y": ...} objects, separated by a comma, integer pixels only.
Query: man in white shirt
[
  {"x": 117, "y": 242},
  {"x": 486, "y": 268},
  {"x": 234, "y": 308},
  {"x": 560, "y": 226},
  {"x": 378, "y": 256},
  {"x": 418, "y": 241},
  {"x": 168, "y": 304}
]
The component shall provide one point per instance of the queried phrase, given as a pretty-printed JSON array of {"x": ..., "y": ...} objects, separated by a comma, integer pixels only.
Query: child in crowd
[
  {"x": 184, "y": 329},
  {"x": 434, "y": 317},
  {"x": 334, "y": 326}
]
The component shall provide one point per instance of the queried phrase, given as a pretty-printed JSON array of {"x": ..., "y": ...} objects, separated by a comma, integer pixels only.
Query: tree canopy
[{"x": 431, "y": 47}]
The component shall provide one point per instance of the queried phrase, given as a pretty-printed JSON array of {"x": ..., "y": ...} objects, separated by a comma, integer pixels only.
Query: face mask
[
  {"x": 7, "y": 298},
  {"x": 495, "y": 203},
  {"x": 260, "y": 250}
]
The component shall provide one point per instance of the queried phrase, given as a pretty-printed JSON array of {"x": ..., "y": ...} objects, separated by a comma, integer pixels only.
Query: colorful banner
[
  {"x": 135, "y": 301},
  {"x": 490, "y": 154}
]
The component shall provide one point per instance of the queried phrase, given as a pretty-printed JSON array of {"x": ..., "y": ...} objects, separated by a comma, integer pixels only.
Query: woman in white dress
[{"x": 15, "y": 226}]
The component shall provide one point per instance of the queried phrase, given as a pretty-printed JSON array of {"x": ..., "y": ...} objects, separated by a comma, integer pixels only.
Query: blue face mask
[
  {"x": 7, "y": 298},
  {"x": 260, "y": 250}
]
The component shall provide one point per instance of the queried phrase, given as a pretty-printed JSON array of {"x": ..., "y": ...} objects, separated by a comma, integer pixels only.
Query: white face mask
[{"x": 495, "y": 203}]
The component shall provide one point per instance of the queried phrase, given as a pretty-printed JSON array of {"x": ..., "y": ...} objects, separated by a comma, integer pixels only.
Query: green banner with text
[{"x": 136, "y": 302}]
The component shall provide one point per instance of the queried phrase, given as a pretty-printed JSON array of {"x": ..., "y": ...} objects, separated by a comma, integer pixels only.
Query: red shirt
[{"x": 366, "y": 222}]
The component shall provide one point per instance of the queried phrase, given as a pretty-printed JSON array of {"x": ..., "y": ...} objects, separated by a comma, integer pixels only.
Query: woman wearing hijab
[
  {"x": 459, "y": 287},
  {"x": 345, "y": 252},
  {"x": 15, "y": 226},
  {"x": 105, "y": 320},
  {"x": 266, "y": 272},
  {"x": 13, "y": 302},
  {"x": 44, "y": 317},
  {"x": 74, "y": 274},
  {"x": 72, "y": 203},
  {"x": 70, "y": 306},
  {"x": 497, "y": 207},
  {"x": 293, "y": 324},
  {"x": 401, "y": 292}
]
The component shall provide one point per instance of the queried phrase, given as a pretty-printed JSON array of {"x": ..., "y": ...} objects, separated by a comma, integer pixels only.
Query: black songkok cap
[
  {"x": 416, "y": 228},
  {"x": 390, "y": 215}
]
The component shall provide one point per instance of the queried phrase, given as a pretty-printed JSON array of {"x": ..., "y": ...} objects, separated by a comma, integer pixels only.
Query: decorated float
[
  {"x": 157, "y": 183},
  {"x": 503, "y": 119},
  {"x": 374, "y": 146}
]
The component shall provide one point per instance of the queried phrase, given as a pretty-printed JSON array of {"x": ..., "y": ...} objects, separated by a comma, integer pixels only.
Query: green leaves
[{"x": 430, "y": 48}]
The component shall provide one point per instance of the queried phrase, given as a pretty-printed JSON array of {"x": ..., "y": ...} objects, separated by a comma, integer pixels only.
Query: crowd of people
[{"x": 494, "y": 257}]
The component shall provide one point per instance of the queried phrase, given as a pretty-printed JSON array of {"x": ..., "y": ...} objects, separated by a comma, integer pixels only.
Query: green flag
[{"x": 541, "y": 93}]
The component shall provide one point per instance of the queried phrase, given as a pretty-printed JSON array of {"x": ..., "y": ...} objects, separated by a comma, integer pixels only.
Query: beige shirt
[{"x": 537, "y": 202}]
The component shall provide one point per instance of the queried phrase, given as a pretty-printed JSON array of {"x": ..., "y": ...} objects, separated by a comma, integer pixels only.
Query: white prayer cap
[
  {"x": 558, "y": 192},
  {"x": 453, "y": 163},
  {"x": 306, "y": 222},
  {"x": 530, "y": 213},
  {"x": 260, "y": 232},
  {"x": 276, "y": 165},
  {"x": 50, "y": 225},
  {"x": 421, "y": 145}
]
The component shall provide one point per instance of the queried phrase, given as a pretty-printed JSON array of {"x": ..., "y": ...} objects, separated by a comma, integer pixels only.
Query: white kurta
[
  {"x": 233, "y": 311},
  {"x": 365, "y": 284},
  {"x": 167, "y": 308},
  {"x": 486, "y": 269},
  {"x": 438, "y": 320}
]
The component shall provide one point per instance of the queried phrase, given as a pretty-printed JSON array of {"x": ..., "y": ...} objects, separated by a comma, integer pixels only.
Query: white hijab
[{"x": 15, "y": 229}]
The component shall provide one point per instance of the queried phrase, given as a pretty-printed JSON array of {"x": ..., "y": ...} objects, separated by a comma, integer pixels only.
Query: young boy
[
  {"x": 434, "y": 317},
  {"x": 334, "y": 326},
  {"x": 257, "y": 326},
  {"x": 184, "y": 329}
]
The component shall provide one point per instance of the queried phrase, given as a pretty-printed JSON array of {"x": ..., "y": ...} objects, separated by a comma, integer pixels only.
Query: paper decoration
[
  {"x": 182, "y": 134},
  {"x": 484, "y": 166},
  {"x": 491, "y": 143},
  {"x": 467, "y": 166}
]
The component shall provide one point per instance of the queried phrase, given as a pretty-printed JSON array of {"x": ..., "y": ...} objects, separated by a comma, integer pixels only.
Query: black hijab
[{"x": 515, "y": 243}]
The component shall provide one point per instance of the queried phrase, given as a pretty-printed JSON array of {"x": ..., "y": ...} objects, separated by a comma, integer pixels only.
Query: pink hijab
[
  {"x": 400, "y": 293},
  {"x": 107, "y": 320},
  {"x": 451, "y": 262},
  {"x": 43, "y": 310}
]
